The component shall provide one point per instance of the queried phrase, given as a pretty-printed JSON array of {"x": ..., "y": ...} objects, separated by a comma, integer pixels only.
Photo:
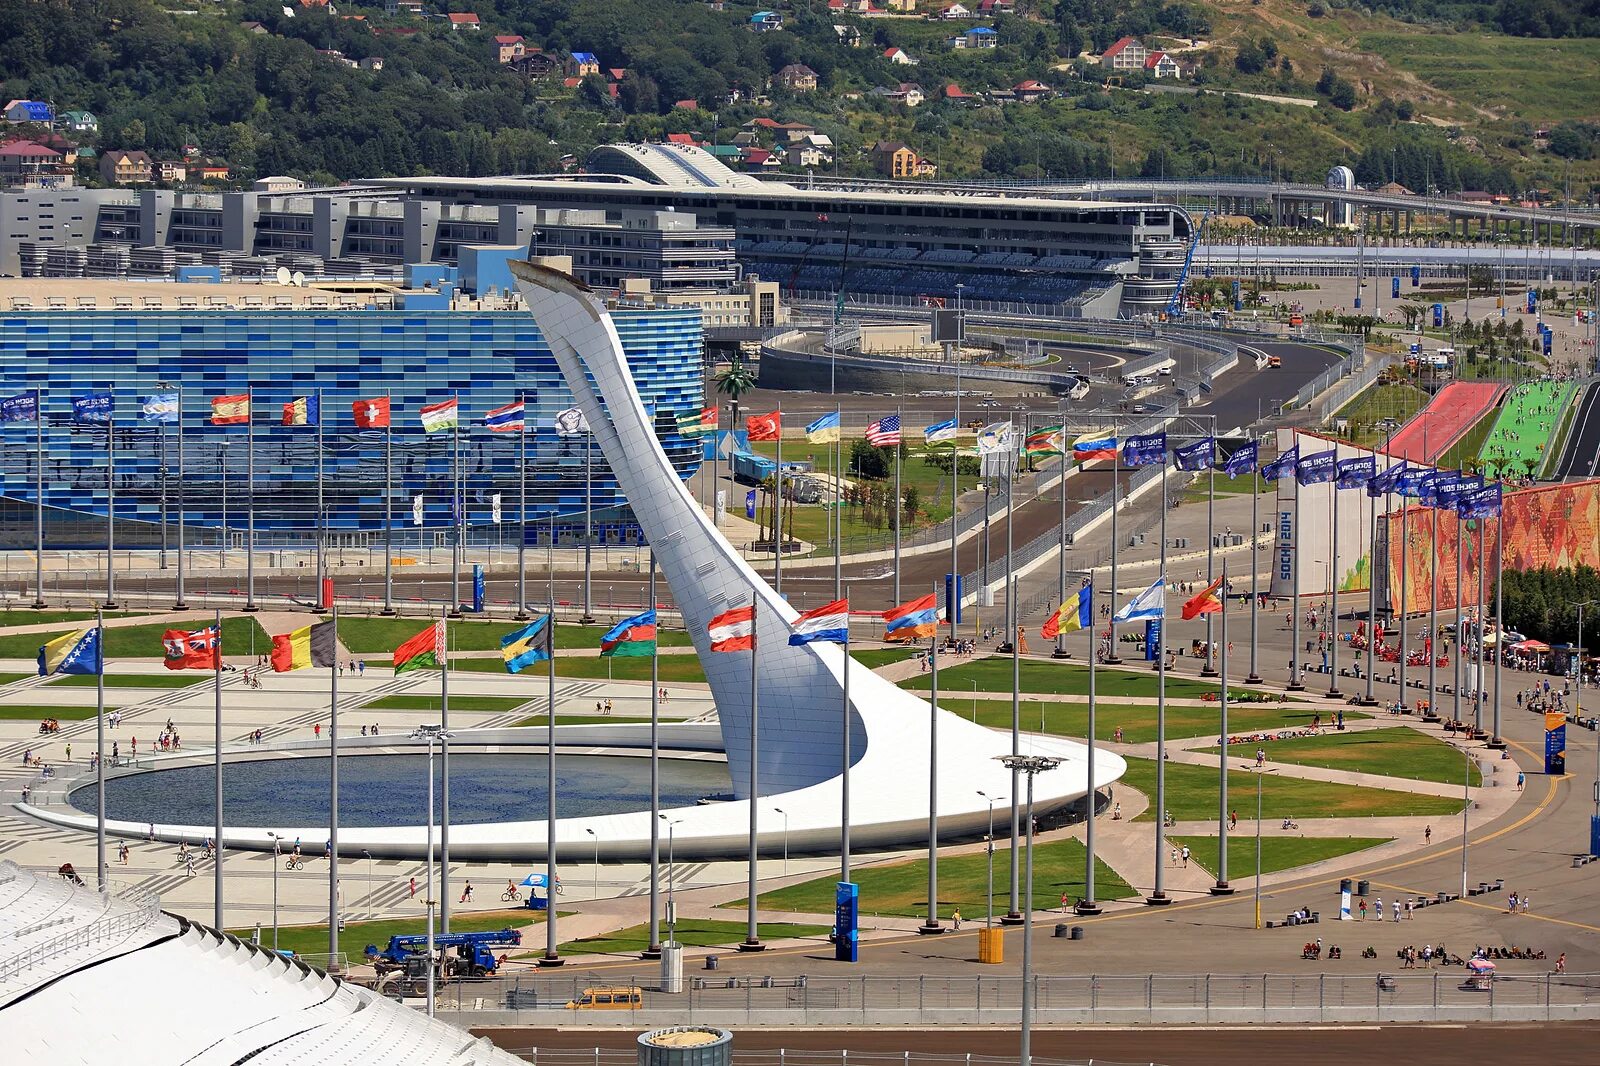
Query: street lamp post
[
  {"x": 672, "y": 869},
  {"x": 1577, "y": 710},
  {"x": 988, "y": 916},
  {"x": 277, "y": 853},
  {"x": 595, "y": 891},
  {"x": 1032, "y": 766},
  {"x": 433, "y": 734},
  {"x": 785, "y": 814},
  {"x": 1260, "y": 772},
  {"x": 368, "y": 855}
]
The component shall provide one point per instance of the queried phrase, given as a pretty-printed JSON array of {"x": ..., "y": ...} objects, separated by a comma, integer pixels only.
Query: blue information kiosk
[{"x": 846, "y": 911}]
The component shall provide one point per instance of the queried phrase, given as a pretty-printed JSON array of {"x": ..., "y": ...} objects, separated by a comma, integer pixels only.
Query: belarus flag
[
  {"x": 830, "y": 622},
  {"x": 734, "y": 630},
  {"x": 1094, "y": 446}
]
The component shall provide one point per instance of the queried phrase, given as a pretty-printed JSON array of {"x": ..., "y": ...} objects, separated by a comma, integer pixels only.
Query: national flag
[
  {"x": 531, "y": 644},
  {"x": 1282, "y": 466},
  {"x": 160, "y": 407},
  {"x": 371, "y": 414},
  {"x": 230, "y": 410},
  {"x": 1196, "y": 456},
  {"x": 829, "y": 623},
  {"x": 1047, "y": 440},
  {"x": 303, "y": 411},
  {"x": 93, "y": 408},
  {"x": 1243, "y": 459},
  {"x": 570, "y": 422},
  {"x": 507, "y": 419},
  {"x": 416, "y": 509},
  {"x": 197, "y": 650},
  {"x": 1145, "y": 449},
  {"x": 939, "y": 431},
  {"x": 885, "y": 432},
  {"x": 996, "y": 437},
  {"x": 313, "y": 645},
  {"x": 1482, "y": 503},
  {"x": 23, "y": 407},
  {"x": 1151, "y": 603},
  {"x": 909, "y": 621},
  {"x": 698, "y": 424},
  {"x": 764, "y": 427},
  {"x": 1388, "y": 481},
  {"x": 494, "y": 508},
  {"x": 1075, "y": 612},
  {"x": 437, "y": 417},
  {"x": 1094, "y": 446},
  {"x": 734, "y": 630},
  {"x": 1428, "y": 488},
  {"x": 425, "y": 651},
  {"x": 630, "y": 637},
  {"x": 77, "y": 652},
  {"x": 1206, "y": 602},
  {"x": 1319, "y": 468},
  {"x": 824, "y": 430}
]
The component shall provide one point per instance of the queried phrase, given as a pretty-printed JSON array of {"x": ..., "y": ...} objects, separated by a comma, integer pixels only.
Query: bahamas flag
[
  {"x": 631, "y": 636},
  {"x": 1075, "y": 612},
  {"x": 530, "y": 644},
  {"x": 72, "y": 653}
]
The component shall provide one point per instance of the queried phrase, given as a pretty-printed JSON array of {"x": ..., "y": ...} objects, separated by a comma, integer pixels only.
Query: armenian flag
[
  {"x": 1094, "y": 446},
  {"x": 530, "y": 644},
  {"x": 910, "y": 621},
  {"x": 630, "y": 637},
  {"x": 230, "y": 410},
  {"x": 302, "y": 411},
  {"x": 72, "y": 653},
  {"x": 1207, "y": 602},
  {"x": 733, "y": 630},
  {"x": 313, "y": 645},
  {"x": 1075, "y": 612},
  {"x": 446, "y": 414},
  {"x": 698, "y": 424},
  {"x": 425, "y": 651}
]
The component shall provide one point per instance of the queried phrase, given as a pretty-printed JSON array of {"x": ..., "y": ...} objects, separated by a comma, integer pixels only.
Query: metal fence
[
  {"x": 1346, "y": 390},
  {"x": 783, "y": 1057}
]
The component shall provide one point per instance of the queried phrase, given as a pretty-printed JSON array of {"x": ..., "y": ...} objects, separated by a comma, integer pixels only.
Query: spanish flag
[
  {"x": 1075, "y": 612},
  {"x": 230, "y": 410},
  {"x": 315, "y": 645},
  {"x": 1207, "y": 602}
]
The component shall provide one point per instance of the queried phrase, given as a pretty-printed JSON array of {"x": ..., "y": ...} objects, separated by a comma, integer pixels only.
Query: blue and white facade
[{"x": 486, "y": 359}]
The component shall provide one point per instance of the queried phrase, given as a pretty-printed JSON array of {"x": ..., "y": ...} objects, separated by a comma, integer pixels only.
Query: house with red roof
[
  {"x": 900, "y": 56},
  {"x": 1161, "y": 65},
  {"x": 683, "y": 138},
  {"x": 463, "y": 20},
  {"x": 22, "y": 159},
  {"x": 510, "y": 46},
  {"x": 955, "y": 94},
  {"x": 1126, "y": 53},
  {"x": 1029, "y": 91},
  {"x": 686, "y": 105}
]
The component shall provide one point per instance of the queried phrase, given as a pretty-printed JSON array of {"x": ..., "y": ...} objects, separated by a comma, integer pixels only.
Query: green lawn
[
  {"x": 240, "y": 636},
  {"x": 1192, "y": 795},
  {"x": 1277, "y": 853},
  {"x": 375, "y": 636},
  {"x": 458, "y": 703},
  {"x": 1463, "y": 455},
  {"x": 1399, "y": 752},
  {"x": 872, "y": 658},
  {"x": 60, "y": 714},
  {"x": 584, "y": 719},
  {"x": 994, "y": 675},
  {"x": 673, "y": 668},
  {"x": 355, "y": 936},
  {"x": 1138, "y": 722},
  {"x": 902, "y": 888},
  {"x": 1399, "y": 402},
  {"x": 6, "y": 679},
  {"x": 695, "y": 932},
  {"x": 176, "y": 679},
  {"x": 35, "y": 618},
  {"x": 1541, "y": 78}
]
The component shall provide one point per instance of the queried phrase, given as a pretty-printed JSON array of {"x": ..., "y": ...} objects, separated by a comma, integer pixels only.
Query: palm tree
[{"x": 733, "y": 382}]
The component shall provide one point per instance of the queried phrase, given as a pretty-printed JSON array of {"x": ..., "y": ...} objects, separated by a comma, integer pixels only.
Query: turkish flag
[
  {"x": 764, "y": 427},
  {"x": 371, "y": 414}
]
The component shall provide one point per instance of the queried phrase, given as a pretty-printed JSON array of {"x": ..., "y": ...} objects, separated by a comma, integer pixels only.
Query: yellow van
[{"x": 625, "y": 998}]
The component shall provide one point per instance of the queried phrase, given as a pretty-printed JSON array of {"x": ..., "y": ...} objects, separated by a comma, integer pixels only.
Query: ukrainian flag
[
  {"x": 72, "y": 653},
  {"x": 824, "y": 430},
  {"x": 528, "y": 645}
]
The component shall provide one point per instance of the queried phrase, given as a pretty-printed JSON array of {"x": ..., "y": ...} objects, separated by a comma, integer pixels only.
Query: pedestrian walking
[
  {"x": 955, "y": 920},
  {"x": 1379, "y": 908},
  {"x": 188, "y": 863},
  {"x": 1427, "y": 834},
  {"x": 1362, "y": 907},
  {"x": 1561, "y": 963},
  {"x": 1185, "y": 853},
  {"x": 413, "y": 889},
  {"x": 466, "y": 893},
  {"x": 122, "y": 852}
]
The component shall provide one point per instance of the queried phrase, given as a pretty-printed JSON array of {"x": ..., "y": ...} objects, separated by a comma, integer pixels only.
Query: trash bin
[
  {"x": 992, "y": 946},
  {"x": 1061, "y": 929},
  {"x": 711, "y": 962},
  {"x": 1344, "y": 884},
  {"x": 1077, "y": 932},
  {"x": 1363, "y": 887}
]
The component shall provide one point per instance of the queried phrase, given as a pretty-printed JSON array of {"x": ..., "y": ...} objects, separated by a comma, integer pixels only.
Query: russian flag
[
  {"x": 507, "y": 419},
  {"x": 909, "y": 621},
  {"x": 1094, "y": 446},
  {"x": 830, "y": 622},
  {"x": 734, "y": 630}
]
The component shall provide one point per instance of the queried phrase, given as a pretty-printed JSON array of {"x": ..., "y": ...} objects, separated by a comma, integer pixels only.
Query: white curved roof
[
  {"x": 91, "y": 978},
  {"x": 679, "y": 166}
]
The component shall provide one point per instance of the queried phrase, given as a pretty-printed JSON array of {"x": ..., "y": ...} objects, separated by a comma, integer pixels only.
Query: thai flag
[
  {"x": 734, "y": 630},
  {"x": 1094, "y": 446},
  {"x": 507, "y": 419},
  {"x": 830, "y": 622},
  {"x": 909, "y": 621}
]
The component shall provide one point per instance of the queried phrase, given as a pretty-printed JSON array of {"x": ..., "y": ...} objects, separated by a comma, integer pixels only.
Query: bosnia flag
[
  {"x": 72, "y": 653},
  {"x": 528, "y": 645},
  {"x": 1075, "y": 612}
]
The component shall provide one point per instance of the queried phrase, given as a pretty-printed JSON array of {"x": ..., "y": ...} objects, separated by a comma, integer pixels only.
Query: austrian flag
[{"x": 734, "y": 630}]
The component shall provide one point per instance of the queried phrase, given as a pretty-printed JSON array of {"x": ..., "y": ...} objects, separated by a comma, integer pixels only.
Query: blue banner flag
[
  {"x": 1244, "y": 459},
  {"x": 1410, "y": 482},
  {"x": 1428, "y": 488},
  {"x": 93, "y": 408},
  {"x": 1282, "y": 466},
  {"x": 160, "y": 407},
  {"x": 1388, "y": 481},
  {"x": 1355, "y": 473},
  {"x": 23, "y": 407},
  {"x": 1449, "y": 487},
  {"x": 1196, "y": 456},
  {"x": 522, "y": 648},
  {"x": 1318, "y": 468},
  {"x": 1145, "y": 449},
  {"x": 750, "y": 504},
  {"x": 1481, "y": 503}
]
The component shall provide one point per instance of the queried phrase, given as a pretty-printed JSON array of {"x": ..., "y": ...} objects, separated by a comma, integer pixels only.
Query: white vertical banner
[
  {"x": 494, "y": 508},
  {"x": 416, "y": 509}
]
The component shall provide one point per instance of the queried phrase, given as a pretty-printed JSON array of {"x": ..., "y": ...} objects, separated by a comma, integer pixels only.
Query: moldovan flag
[
  {"x": 425, "y": 651},
  {"x": 1207, "y": 602},
  {"x": 198, "y": 650},
  {"x": 1075, "y": 612},
  {"x": 734, "y": 630},
  {"x": 230, "y": 410},
  {"x": 371, "y": 414},
  {"x": 909, "y": 621},
  {"x": 764, "y": 427},
  {"x": 314, "y": 645}
]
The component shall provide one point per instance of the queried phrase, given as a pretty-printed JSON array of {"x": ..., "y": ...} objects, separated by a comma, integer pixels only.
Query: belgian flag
[{"x": 312, "y": 646}]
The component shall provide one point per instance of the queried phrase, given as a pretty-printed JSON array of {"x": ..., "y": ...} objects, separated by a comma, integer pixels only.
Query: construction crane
[{"x": 1175, "y": 305}]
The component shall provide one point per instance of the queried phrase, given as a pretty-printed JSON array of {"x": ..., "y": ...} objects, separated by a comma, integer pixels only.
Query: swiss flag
[
  {"x": 764, "y": 427},
  {"x": 371, "y": 414}
]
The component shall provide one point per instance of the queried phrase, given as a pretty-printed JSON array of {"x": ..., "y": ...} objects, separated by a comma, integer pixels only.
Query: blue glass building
[{"x": 486, "y": 359}]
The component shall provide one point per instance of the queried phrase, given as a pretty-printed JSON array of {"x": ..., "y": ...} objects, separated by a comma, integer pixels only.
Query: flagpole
[
  {"x": 99, "y": 749},
  {"x": 1210, "y": 669},
  {"x": 322, "y": 512},
  {"x": 1158, "y": 896},
  {"x": 899, "y": 505},
  {"x": 1013, "y": 915},
  {"x": 180, "y": 604},
  {"x": 1061, "y": 557},
  {"x": 1296, "y": 667},
  {"x": 752, "y": 938},
  {"x": 1112, "y": 658},
  {"x": 1499, "y": 618},
  {"x": 1254, "y": 677},
  {"x": 333, "y": 769},
  {"x": 1405, "y": 567},
  {"x": 522, "y": 518},
  {"x": 931, "y": 923},
  {"x": 388, "y": 506},
  {"x": 551, "y": 958},
  {"x": 1370, "y": 700},
  {"x": 457, "y": 506},
  {"x": 1461, "y": 551},
  {"x": 444, "y": 774},
  {"x": 250, "y": 495},
  {"x": 1333, "y": 589},
  {"x": 38, "y": 496},
  {"x": 1011, "y": 604},
  {"x": 653, "y": 951},
  {"x": 1478, "y": 604},
  {"x": 111, "y": 509},
  {"x": 838, "y": 524},
  {"x": 1087, "y": 906},
  {"x": 216, "y": 767},
  {"x": 844, "y": 759},
  {"x": 1222, "y": 888},
  {"x": 1433, "y": 606},
  {"x": 777, "y": 519},
  {"x": 588, "y": 529}
]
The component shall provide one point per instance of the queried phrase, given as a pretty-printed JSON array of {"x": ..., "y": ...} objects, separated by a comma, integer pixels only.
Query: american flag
[{"x": 885, "y": 432}]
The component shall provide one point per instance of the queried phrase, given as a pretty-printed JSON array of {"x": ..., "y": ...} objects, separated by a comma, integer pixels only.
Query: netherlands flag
[
  {"x": 734, "y": 630},
  {"x": 1094, "y": 446},
  {"x": 507, "y": 419},
  {"x": 830, "y": 623},
  {"x": 909, "y": 621}
]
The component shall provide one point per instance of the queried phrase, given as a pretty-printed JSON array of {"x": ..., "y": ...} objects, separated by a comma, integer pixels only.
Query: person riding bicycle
[{"x": 511, "y": 890}]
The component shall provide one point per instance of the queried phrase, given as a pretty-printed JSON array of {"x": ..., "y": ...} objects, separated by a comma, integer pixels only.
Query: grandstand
[
  {"x": 1517, "y": 444},
  {"x": 91, "y": 977},
  {"x": 1452, "y": 412}
]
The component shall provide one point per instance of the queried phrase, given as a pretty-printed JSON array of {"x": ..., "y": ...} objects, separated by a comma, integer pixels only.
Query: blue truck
[{"x": 403, "y": 966}]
